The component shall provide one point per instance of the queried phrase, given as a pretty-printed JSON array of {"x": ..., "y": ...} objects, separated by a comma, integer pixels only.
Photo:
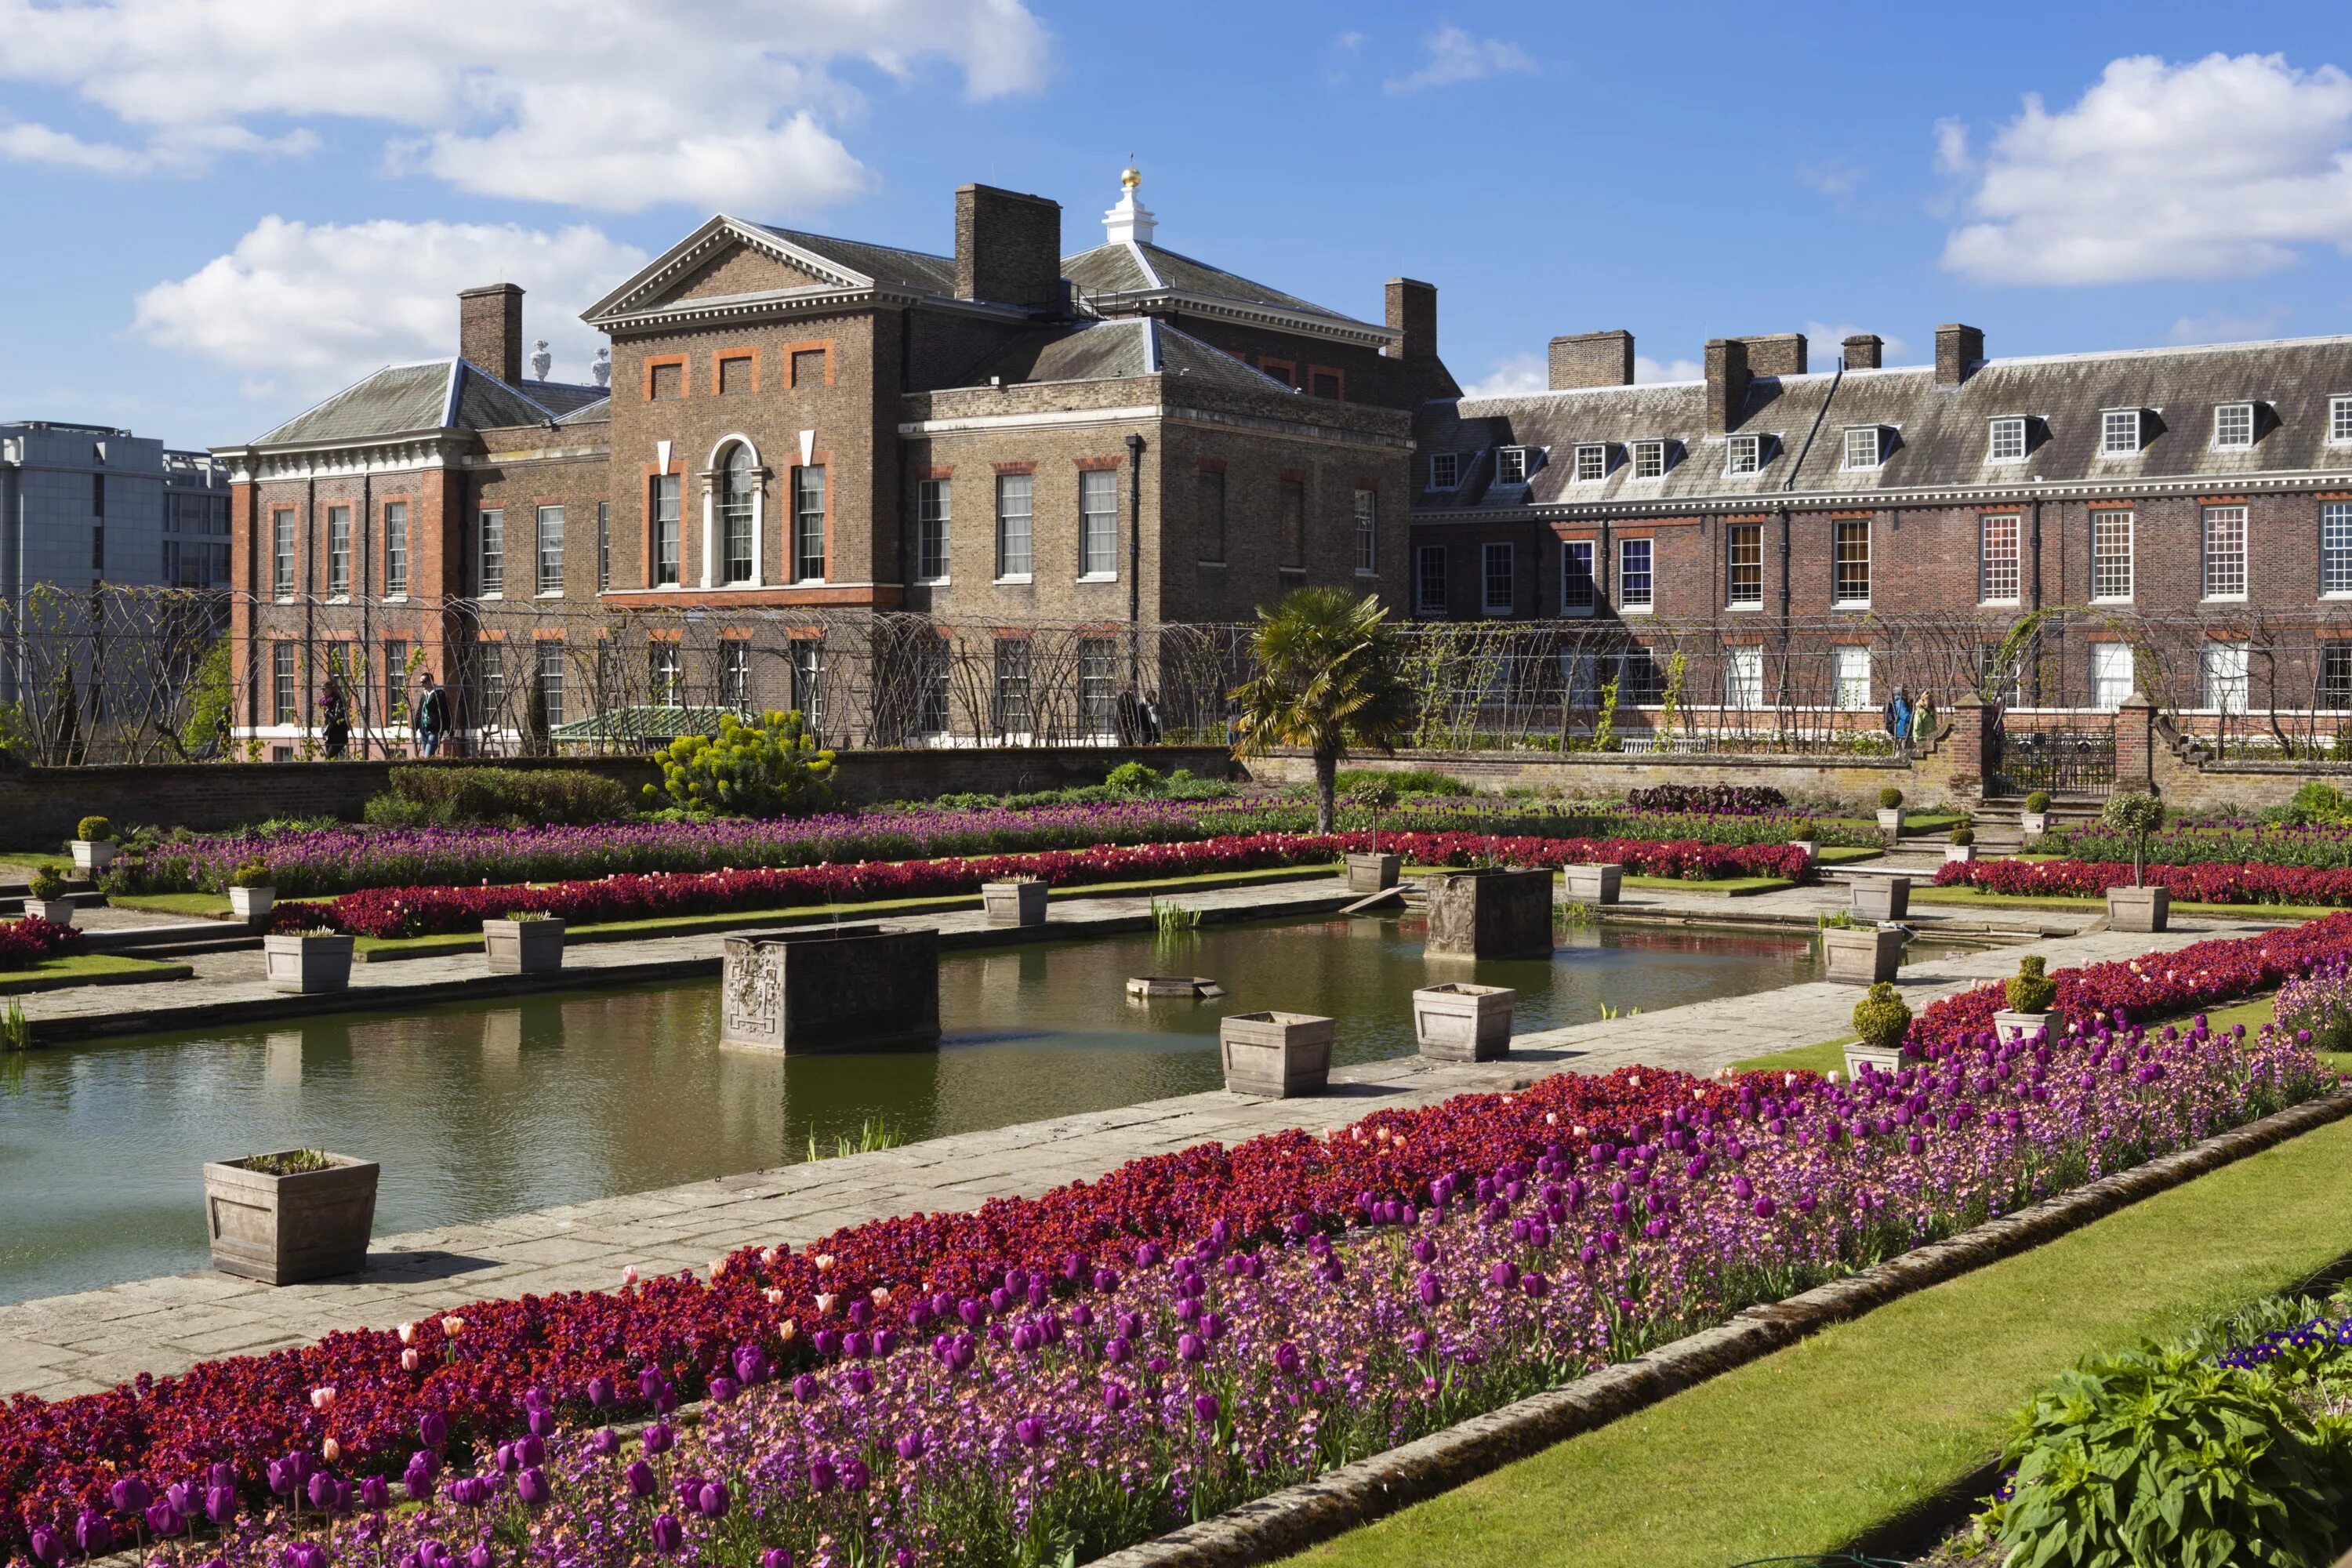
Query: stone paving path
[{"x": 80, "y": 1343}]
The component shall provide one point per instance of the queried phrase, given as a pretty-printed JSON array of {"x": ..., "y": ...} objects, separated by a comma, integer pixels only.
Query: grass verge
[
  {"x": 1726, "y": 887},
  {"x": 2034, "y": 901},
  {"x": 1807, "y": 1449},
  {"x": 209, "y": 905},
  {"x": 89, "y": 969},
  {"x": 381, "y": 949}
]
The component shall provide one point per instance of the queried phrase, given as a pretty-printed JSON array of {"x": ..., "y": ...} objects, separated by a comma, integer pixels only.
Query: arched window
[{"x": 739, "y": 487}]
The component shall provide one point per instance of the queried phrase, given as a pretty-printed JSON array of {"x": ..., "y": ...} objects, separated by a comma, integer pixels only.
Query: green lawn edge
[
  {"x": 1809, "y": 1448},
  {"x": 373, "y": 949},
  {"x": 89, "y": 969},
  {"x": 1956, "y": 895},
  {"x": 209, "y": 905}
]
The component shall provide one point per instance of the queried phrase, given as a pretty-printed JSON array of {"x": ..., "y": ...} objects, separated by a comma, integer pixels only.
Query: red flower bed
[
  {"x": 2247, "y": 883},
  {"x": 421, "y": 911},
  {"x": 472, "y": 1365},
  {"x": 2154, "y": 985},
  {"x": 24, "y": 943}
]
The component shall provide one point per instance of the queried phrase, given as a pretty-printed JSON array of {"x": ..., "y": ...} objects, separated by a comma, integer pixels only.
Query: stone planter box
[
  {"x": 283, "y": 1229},
  {"x": 1882, "y": 1059},
  {"x": 2012, "y": 1027},
  {"x": 252, "y": 905},
  {"x": 307, "y": 962},
  {"x": 1882, "y": 898},
  {"x": 523, "y": 947},
  {"x": 1018, "y": 903},
  {"x": 1490, "y": 913},
  {"x": 831, "y": 988},
  {"x": 2033, "y": 823},
  {"x": 2139, "y": 909},
  {"x": 56, "y": 911},
  {"x": 1594, "y": 884},
  {"x": 1276, "y": 1056},
  {"x": 1459, "y": 1022},
  {"x": 1862, "y": 955},
  {"x": 1178, "y": 987},
  {"x": 91, "y": 856},
  {"x": 1369, "y": 873},
  {"x": 1959, "y": 854},
  {"x": 1890, "y": 822},
  {"x": 1812, "y": 849}
]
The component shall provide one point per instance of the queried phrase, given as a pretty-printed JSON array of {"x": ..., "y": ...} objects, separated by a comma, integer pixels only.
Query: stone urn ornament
[
  {"x": 44, "y": 896},
  {"x": 1881, "y": 1021},
  {"x": 2030, "y": 992},
  {"x": 252, "y": 893},
  {"x": 2138, "y": 908},
  {"x": 93, "y": 845},
  {"x": 1890, "y": 812}
]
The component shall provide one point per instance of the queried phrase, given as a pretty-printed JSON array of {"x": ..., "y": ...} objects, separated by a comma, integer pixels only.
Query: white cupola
[{"x": 1131, "y": 221}]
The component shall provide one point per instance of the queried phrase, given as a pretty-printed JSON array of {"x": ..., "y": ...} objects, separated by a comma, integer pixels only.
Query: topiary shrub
[
  {"x": 93, "y": 829},
  {"x": 1806, "y": 833},
  {"x": 1134, "y": 778},
  {"x": 1964, "y": 833},
  {"x": 47, "y": 882},
  {"x": 1890, "y": 799},
  {"x": 772, "y": 768},
  {"x": 2038, "y": 802},
  {"x": 1882, "y": 1017},
  {"x": 2138, "y": 814},
  {"x": 2030, "y": 990},
  {"x": 250, "y": 873}
]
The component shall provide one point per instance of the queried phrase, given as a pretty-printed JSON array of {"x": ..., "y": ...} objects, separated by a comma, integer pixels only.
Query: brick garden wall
[{"x": 41, "y": 806}]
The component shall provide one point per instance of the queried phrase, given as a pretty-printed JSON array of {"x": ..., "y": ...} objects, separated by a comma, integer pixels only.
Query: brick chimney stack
[
  {"x": 1959, "y": 351},
  {"x": 1776, "y": 353},
  {"x": 1008, "y": 248},
  {"x": 489, "y": 329},
  {"x": 1592, "y": 358},
  {"x": 1413, "y": 312},
  {"x": 1864, "y": 351},
  {"x": 1727, "y": 376}
]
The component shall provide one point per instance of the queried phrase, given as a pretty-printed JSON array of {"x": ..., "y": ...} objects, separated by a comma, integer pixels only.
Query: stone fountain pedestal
[
  {"x": 1490, "y": 913},
  {"x": 831, "y": 988}
]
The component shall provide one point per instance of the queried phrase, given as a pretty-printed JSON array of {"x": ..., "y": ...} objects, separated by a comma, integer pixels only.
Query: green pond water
[{"x": 478, "y": 1110}]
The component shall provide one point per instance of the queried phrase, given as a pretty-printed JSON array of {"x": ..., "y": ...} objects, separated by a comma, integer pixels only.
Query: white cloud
[
  {"x": 1453, "y": 56},
  {"x": 601, "y": 103},
  {"x": 1838, "y": 179},
  {"x": 2228, "y": 327},
  {"x": 1824, "y": 342},
  {"x": 2220, "y": 168},
  {"x": 311, "y": 308},
  {"x": 1647, "y": 369},
  {"x": 1512, "y": 377}
]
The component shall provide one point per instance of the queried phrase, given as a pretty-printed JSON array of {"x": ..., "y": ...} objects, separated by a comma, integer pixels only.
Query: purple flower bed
[{"x": 1075, "y": 1412}]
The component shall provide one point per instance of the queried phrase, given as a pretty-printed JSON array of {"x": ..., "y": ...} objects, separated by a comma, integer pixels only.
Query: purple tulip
[
  {"x": 659, "y": 1438},
  {"x": 854, "y": 1473},
  {"x": 479, "y": 1557},
  {"x": 806, "y": 1388},
  {"x": 1115, "y": 1396},
  {"x": 1287, "y": 1359},
  {"x": 639, "y": 1478},
  {"x": 164, "y": 1519},
  {"x": 712, "y": 1499},
  {"x": 600, "y": 1392},
  {"x": 93, "y": 1534},
  {"x": 821, "y": 1475},
  {"x": 48, "y": 1546},
  {"x": 1189, "y": 1347},
  {"x": 605, "y": 1442},
  {"x": 432, "y": 1429},
  {"x": 540, "y": 1422},
  {"x": 531, "y": 1487},
  {"x": 776, "y": 1557},
  {"x": 722, "y": 1390},
  {"x": 1029, "y": 1431},
  {"x": 375, "y": 1495},
  {"x": 1427, "y": 1287},
  {"x": 131, "y": 1495},
  {"x": 220, "y": 1504},
  {"x": 1205, "y": 1406},
  {"x": 911, "y": 1446}
]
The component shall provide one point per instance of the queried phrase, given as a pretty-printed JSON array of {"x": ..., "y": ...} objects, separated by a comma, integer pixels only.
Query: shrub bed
[
  {"x": 2319, "y": 846},
  {"x": 1070, "y": 1372},
  {"x": 24, "y": 943},
  {"x": 2204, "y": 884}
]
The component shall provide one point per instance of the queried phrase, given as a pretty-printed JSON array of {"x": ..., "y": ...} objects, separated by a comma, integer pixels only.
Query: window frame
[
  {"x": 604, "y": 546},
  {"x": 1841, "y": 578},
  {"x": 2128, "y": 522},
  {"x": 1876, "y": 437},
  {"x": 934, "y": 514},
  {"x": 2234, "y": 689},
  {"x": 1989, "y": 566},
  {"x": 548, "y": 555},
  {"x": 490, "y": 551},
  {"x": 1596, "y": 454},
  {"x": 808, "y": 683},
  {"x": 1487, "y": 577},
  {"x": 2252, "y": 419},
  {"x": 1098, "y": 527},
  {"x": 548, "y": 693},
  {"x": 1646, "y": 454},
  {"x": 2335, "y": 558},
  {"x": 1368, "y": 532},
  {"x": 1733, "y": 535},
  {"x": 735, "y": 674},
  {"x": 1520, "y": 457},
  {"x": 2011, "y": 423},
  {"x": 2214, "y": 574},
  {"x": 1026, "y": 535},
  {"x": 2100, "y": 654},
  {"x": 1740, "y": 694},
  {"x": 1743, "y": 456},
  {"x": 396, "y": 549},
  {"x": 2334, "y": 691},
  {"x": 1013, "y": 674},
  {"x": 1841, "y": 685},
  {"x": 2108, "y": 430},
  {"x": 285, "y": 685},
  {"x": 1637, "y": 589},
  {"x": 2339, "y": 419},
  {"x": 1452, "y": 479},
  {"x": 735, "y": 506},
  {"x": 282, "y": 577},
  {"x": 338, "y": 551},
  {"x": 1571, "y": 603},
  {"x": 667, "y": 493},
  {"x": 811, "y": 544},
  {"x": 1424, "y": 603}
]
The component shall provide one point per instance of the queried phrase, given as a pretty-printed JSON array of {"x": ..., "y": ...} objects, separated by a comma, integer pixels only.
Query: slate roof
[
  {"x": 1115, "y": 349},
  {"x": 436, "y": 394},
  {"x": 883, "y": 263},
  {"x": 1129, "y": 267},
  {"x": 1936, "y": 436}
]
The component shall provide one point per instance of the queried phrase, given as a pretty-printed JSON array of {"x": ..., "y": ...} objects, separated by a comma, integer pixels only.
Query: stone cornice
[
  {"x": 1177, "y": 301},
  {"x": 405, "y": 452}
]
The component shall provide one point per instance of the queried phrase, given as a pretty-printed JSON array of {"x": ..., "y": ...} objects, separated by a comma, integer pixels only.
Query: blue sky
[{"x": 221, "y": 210}]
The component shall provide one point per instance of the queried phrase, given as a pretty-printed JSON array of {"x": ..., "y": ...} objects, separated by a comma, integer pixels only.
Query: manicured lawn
[
  {"x": 89, "y": 969},
  {"x": 1827, "y": 1057},
  {"x": 1805, "y": 1450},
  {"x": 2031, "y": 901},
  {"x": 208, "y": 905},
  {"x": 1845, "y": 854},
  {"x": 688, "y": 925},
  {"x": 1730, "y": 887}
]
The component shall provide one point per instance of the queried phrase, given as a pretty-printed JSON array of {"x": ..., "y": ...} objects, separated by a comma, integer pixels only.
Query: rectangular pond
[{"x": 478, "y": 1110}]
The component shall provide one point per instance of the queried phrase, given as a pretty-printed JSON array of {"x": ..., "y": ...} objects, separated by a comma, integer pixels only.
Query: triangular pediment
[{"x": 724, "y": 258}]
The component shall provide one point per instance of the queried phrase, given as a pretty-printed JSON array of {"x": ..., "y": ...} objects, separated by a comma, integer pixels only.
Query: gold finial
[{"x": 1130, "y": 177}]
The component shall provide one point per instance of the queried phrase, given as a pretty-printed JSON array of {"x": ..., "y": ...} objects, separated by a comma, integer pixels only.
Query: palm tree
[{"x": 1329, "y": 679}]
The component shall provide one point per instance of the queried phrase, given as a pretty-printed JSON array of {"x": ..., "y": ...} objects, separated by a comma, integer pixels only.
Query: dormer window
[
  {"x": 1746, "y": 455},
  {"x": 2339, "y": 421},
  {"x": 2119, "y": 432},
  {"x": 1591, "y": 462},
  {"x": 1649, "y": 459},
  {"x": 2006, "y": 441},
  {"x": 1863, "y": 447},
  {"x": 2233, "y": 428},
  {"x": 1514, "y": 464},
  {"x": 1444, "y": 470}
]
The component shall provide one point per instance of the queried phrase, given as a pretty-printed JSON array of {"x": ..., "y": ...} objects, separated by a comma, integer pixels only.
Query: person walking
[
  {"x": 1129, "y": 716},
  {"x": 335, "y": 719},
  {"x": 1150, "y": 715},
  {"x": 432, "y": 719},
  {"x": 1898, "y": 717},
  {"x": 1923, "y": 720}
]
